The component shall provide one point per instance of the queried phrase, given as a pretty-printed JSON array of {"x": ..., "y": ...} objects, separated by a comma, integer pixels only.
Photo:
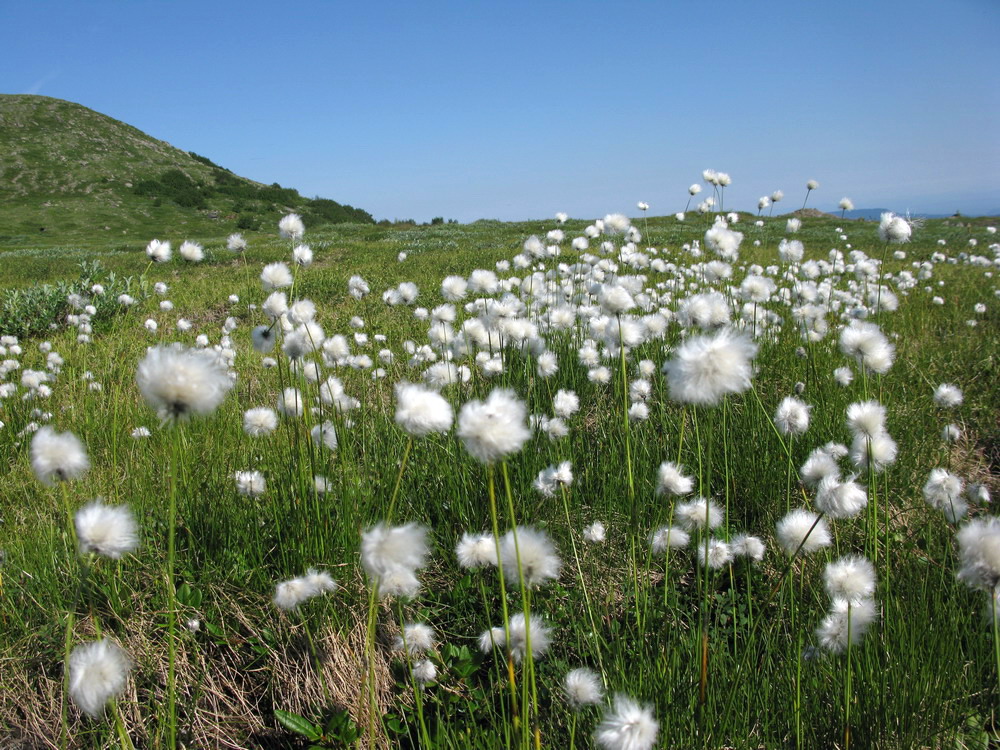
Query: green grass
[{"x": 924, "y": 676}]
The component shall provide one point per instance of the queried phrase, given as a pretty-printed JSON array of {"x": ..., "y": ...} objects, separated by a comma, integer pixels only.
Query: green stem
[
  {"x": 399, "y": 478},
  {"x": 175, "y": 469},
  {"x": 515, "y": 710},
  {"x": 847, "y": 685},
  {"x": 529, "y": 659},
  {"x": 583, "y": 581}
]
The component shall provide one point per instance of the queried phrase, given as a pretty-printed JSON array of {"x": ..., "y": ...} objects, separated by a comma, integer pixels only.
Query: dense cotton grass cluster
[{"x": 572, "y": 497}]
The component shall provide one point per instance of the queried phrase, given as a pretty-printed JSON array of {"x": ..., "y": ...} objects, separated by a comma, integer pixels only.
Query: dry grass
[{"x": 226, "y": 692}]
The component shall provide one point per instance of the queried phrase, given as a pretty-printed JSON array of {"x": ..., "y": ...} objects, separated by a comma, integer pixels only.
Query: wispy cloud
[{"x": 36, "y": 87}]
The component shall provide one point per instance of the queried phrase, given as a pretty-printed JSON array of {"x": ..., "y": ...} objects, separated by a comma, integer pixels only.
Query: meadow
[{"x": 708, "y": 461}]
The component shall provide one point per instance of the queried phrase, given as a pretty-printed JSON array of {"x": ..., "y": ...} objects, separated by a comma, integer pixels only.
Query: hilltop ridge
[{"x": 69, "y": 171}]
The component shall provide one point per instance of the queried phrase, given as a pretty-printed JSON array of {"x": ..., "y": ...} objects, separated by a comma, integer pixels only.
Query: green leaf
[{"x": 298, "y": 724}]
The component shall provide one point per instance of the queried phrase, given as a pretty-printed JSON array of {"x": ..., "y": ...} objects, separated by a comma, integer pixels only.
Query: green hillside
[{"x": 72, "y": 174}]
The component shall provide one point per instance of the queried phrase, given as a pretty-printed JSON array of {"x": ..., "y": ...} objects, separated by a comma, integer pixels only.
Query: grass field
[{"x": 732, "y": 653}]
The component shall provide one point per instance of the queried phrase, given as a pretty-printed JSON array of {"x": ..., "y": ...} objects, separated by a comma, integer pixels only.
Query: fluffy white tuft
[
  {"x": 583, "y": 687},
  {"x": 527, "y": 552},
  {"x": 627, "y": 725},
  {"x": 421, "y": 411},
  {"x": 57, "y": 456},
  {"x": 704, "y": 369},
  {"x": 97, "y": 673},
  {"x": 802, "y": 530},
  {"x": 108, "y": 530},
  {"x": 493, "y": 429}
]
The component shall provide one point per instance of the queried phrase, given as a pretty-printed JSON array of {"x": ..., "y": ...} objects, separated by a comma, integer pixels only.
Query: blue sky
[{"x": 516, "y": 110}]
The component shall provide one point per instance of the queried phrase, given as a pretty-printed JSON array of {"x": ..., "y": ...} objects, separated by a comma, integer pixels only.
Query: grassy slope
[
  {"x": 73, "y": 172},
  {"x": 934, "y": 653}
]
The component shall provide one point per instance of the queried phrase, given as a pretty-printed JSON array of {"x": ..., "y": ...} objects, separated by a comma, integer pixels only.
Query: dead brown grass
[{"x": 227, "y": 691}]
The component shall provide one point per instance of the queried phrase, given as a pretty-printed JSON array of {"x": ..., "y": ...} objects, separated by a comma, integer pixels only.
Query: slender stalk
[
  {"x": 529, "y": 660},
  {"x": 515, "y": 711},
  {"x": 417, "y": 690},
  {"x": 399, "y": 477},
  {"x": 847, "y": 685},
  {"x": 994, "y": 606},
  {"x": 625, "y": 425},
  {"x": 175, "y": 469},
  {"x": 583, "y": 581}
]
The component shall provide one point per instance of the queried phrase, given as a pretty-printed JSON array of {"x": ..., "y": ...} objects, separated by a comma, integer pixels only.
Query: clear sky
[{"x": 516, "y": 110}]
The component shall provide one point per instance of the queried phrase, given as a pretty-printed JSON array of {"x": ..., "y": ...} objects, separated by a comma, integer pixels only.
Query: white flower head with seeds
[
  {"x": 97, "y": 673},
  {"x": 493, "y": 429},
  {"x": 108, "y": 530},
  {"x": 179, "y": 382},
  {"x": 57, "y": 456}
]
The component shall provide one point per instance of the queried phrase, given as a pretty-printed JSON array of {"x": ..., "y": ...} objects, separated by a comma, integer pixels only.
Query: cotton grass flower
[
  {"x": 595, "y": 533},
  {"x": 847, "y": 623},
  {"x": 291, "y": 227},
  {"x": 943, "y": 490},
  {"x": 667, "y": 537},
  {"x": 876, "y": 452},
  {"x": 235, "y": 243},
  {"x": 894, "y": 229},
  {"x": 838, "y": 499},
  {"x": 325, "y": 435},
  {"x": 627, "y": 725},
  {"x": 275, "y": 276},
  {"x": 57, "y": 456},
  {"x": 672, "y": 481},
  {"x": 178, "y": 382},
  {"x": 158, "y": 252},
  {"x": 392, "y": 555},
  {"x": 291, "y": 403},
  {"x": 302, "y": 255},
  {"x": 493, "y": 429},
  {"x": 818, "y": 465},
  {"x": 424, "y": 671},
  {"x": 421, "y": 411},
  {"x": 868, "y": 345},
  {"x": 979, "y": 553},
  {"x": 704, "y": 369},
  {"x": 582, "y": 687},
  {"x": 250, "y": 483},
  {"x": 866, "y": 418},
  {"x": 947, "y": 396},
  {"x": 476, "y": 550},
  {"x": 851, "y": 578},
  {"x": 717, "y": 555},
  {"x": 552, "y": 478},
  {"x": 792, "y": 416},
  {"x": 288, "y": 595},
  {"x": 565, "y": 404},
  {"x": 415, "y": 639},
  {"x": 700, "y": 513},
  {"x": 191, "y": 251},
  {"x": 528, "y": 554},
  {"x": 97, "y": 673},
  {"x": 522, "y": 630},
  {"x": 802, "y": 531},
  {"x": 259, "y": 421},
  {"x": 108, "y": 530},
  {"x": 492, "y": 638},
  {"x": 748, "y": 546}
]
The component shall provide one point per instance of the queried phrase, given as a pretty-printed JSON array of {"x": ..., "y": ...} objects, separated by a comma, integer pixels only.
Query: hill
[{"x": 70, "y": 172}]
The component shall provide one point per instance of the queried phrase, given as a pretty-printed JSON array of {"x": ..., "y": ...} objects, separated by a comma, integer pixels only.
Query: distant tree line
[{"x": 253, "y": 205}]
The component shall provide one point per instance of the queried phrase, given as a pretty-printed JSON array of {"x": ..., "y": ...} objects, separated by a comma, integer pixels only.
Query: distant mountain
[
  {"x": 69, "y": 171},
  {"x": 863, "y": 213},
  {"x": 874, "y": 214}
]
